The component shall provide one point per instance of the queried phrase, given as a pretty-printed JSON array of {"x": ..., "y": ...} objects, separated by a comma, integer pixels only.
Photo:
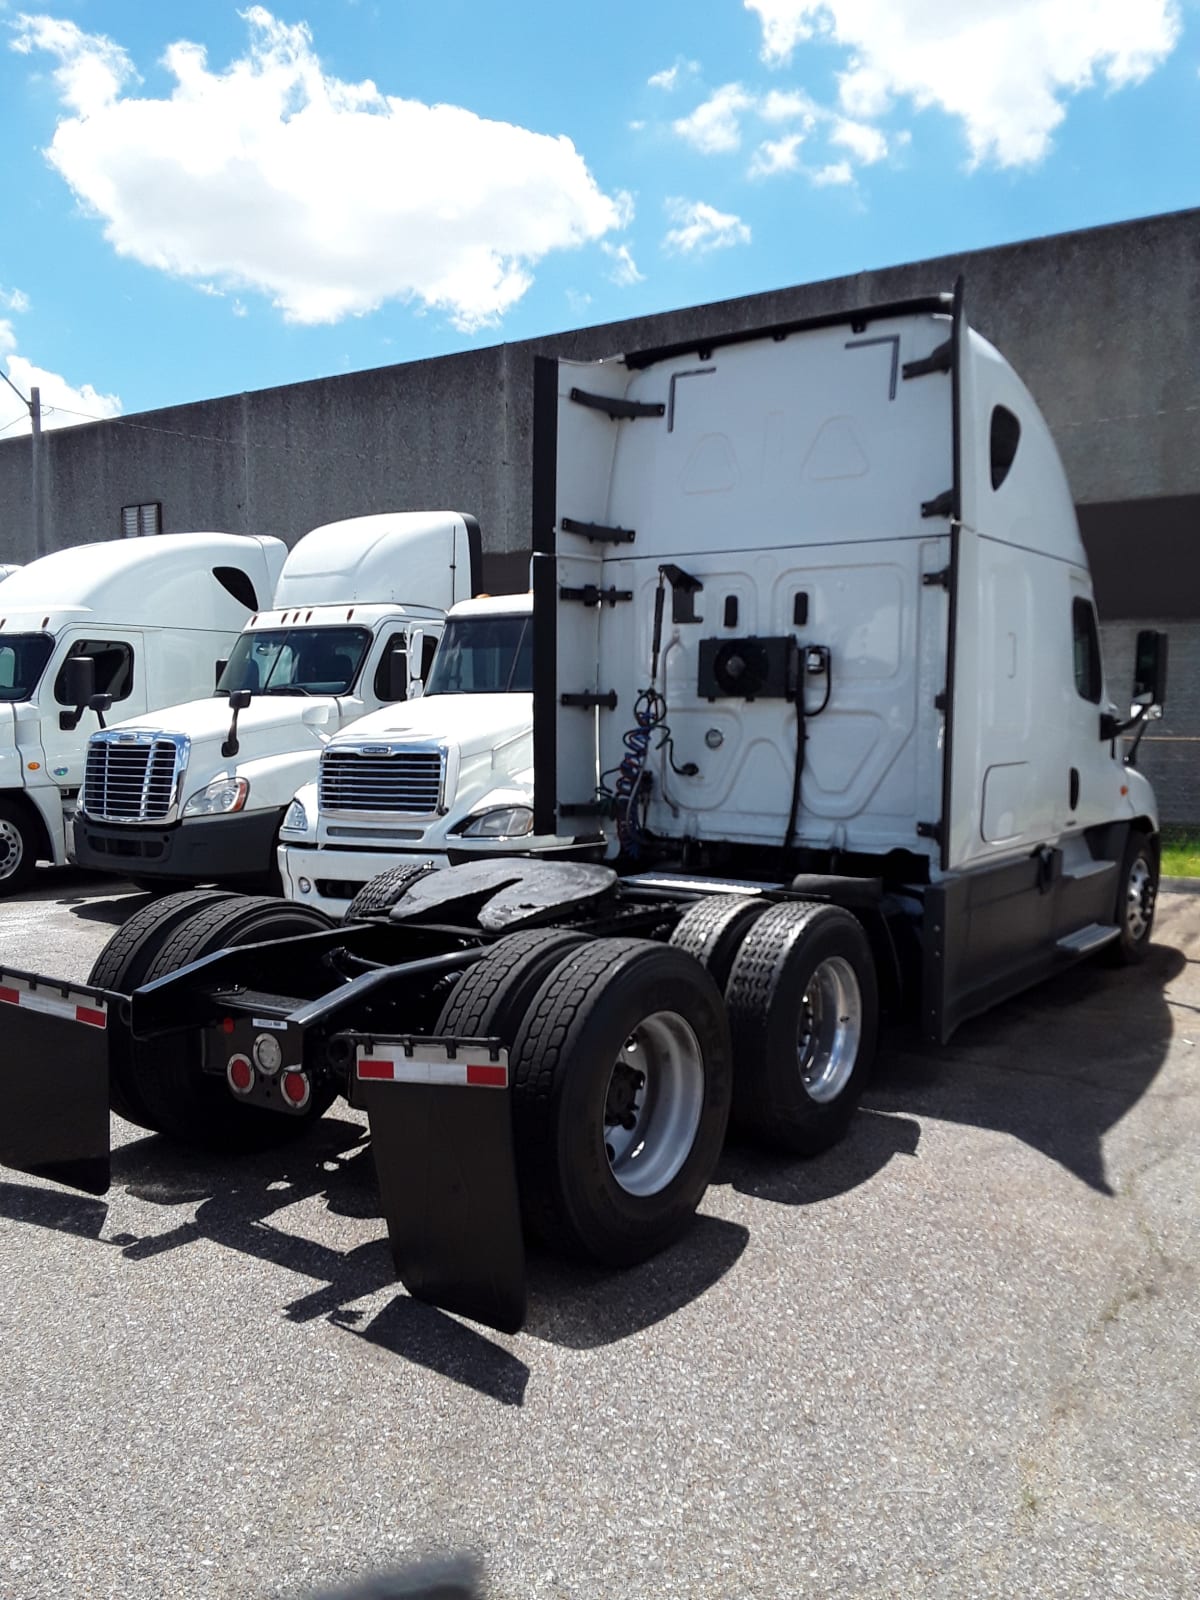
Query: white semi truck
[
  {"x": 433, "y": 781},
  {"x": 814, "y": 649},
  {"x": 352, "y": 625},
  {"x": 141, "y": 622},
  {"x": 7, "y": 570}
]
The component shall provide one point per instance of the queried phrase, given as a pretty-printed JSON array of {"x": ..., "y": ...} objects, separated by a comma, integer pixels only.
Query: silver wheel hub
[
  {"x": 653, "y": 1103},
  {"x": 12, "y": 849},
  {"x": 1139, "y": 899},
  {"x": 830, "y": 1035}
]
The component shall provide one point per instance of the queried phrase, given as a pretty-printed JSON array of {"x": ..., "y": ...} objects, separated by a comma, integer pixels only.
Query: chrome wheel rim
[
  {"x": 12, "y": 849},
  {"x": 652, "y": 1103},
  {"x": 1139, "y": 899},
  {"x": 830, "y": 1033}
]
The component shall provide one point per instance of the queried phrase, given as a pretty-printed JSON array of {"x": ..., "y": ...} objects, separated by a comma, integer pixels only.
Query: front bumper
[
  {"x": 200, "y": 848},
  {"x": 335, "y": 876}
]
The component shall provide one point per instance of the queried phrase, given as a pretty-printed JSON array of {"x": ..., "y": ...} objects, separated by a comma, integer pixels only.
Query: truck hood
[
  {"x": 269, "y": 722},
  {"x": 473, "y": 722}
]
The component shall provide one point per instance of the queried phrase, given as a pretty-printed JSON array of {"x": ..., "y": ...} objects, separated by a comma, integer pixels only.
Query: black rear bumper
[{"x": 202, "y": 848}]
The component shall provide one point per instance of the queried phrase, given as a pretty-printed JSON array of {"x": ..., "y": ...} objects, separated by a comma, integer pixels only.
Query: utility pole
[
  {"x": 34, "y": 405},
  {"x": 35, "y": 466}
]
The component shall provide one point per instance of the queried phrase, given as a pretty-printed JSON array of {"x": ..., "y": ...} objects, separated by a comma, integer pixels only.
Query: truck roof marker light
[
  {"x": 296, "y": 1089},
  {"x": 240, "y": 1074},
  {"x": 308, "y": 615},
  {"x": 45, "y": 622},
  {"x": 1124, "y": 789}
]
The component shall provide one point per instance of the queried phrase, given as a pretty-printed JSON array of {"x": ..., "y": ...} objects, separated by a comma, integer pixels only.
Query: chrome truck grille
[
  {"x": 133, "y": 777},
  {"x": 382, "y": 778}
]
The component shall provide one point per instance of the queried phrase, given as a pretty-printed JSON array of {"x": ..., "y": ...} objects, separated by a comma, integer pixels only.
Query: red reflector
[
  {"x": 367, "y": 1068},
  {"x": 295, "y": 1087},
  {"x": 94, "y": 1019},
  {"x": 241, "y": 1074},
  {"x": 10, "y": 997},
  {"x": 228, "y": 1025},
  {"x": 487, "y": 1077}
]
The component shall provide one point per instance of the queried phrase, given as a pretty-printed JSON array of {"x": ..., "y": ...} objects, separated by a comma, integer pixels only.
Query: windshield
[
  {"x": 483, "y": 655},
  {"x": 296, "y": 661},
  {"x": 22, "y": 658}
]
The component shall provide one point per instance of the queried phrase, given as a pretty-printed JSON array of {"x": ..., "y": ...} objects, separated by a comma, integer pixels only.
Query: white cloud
[
  {"x": 63, "y": 404},
  {"x": 774, "y": 156},
  {"x": 700, "y": 228},
  {"x": 624, "y": 270},
  {"x": 835, "y": 172},
  {"x": 715, "y": 124},
  {"x": 1003, "y": 67},
  {"x": 669, "y": 78},
  {"x": 330, "y": 197},
  {"x": 867, "y": 145},
  {"x": 786, "y": 105},
  {"x": 14, "y": 300}
]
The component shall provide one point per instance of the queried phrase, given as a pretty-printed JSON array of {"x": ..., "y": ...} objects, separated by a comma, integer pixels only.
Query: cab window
[
  {"x": 114, "y": 668},
  {"x": 1087, "y": 650}
]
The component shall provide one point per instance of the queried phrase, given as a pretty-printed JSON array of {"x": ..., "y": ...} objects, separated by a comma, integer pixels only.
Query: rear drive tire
[
  {"x": 19, "y": 848},
  {"x": 491, "y": 998},
  {"x": 803, "y": 1009},
  {"x": 383, "y": 891},
  {"x": 1136, "y": 896},
  {"x": 713, "y": 929},
  {"x": 621, "y": 1091},
  {"x": 122, "y": 964},
  {"x": 165, "y": 1076}
]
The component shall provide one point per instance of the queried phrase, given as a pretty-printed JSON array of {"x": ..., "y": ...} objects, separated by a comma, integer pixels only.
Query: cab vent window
[
  {"x": 114, "y": 668},
  {"x": 427, "y": 653},
  {"x": 238, "y": 584},
  {"x": 138, "y": 521},
  {"x": 396, "y": 647},
  {"x": 1087, "y": 650},
  {"x": 1006, "y": 435}
]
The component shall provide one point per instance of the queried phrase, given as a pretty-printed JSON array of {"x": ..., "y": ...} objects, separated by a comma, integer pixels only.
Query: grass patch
[{"x": 1180, "y": 851}]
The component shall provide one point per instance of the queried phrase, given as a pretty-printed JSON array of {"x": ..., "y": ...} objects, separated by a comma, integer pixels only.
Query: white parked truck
[
  {"x": 140, "y": 622},
  {"x": 352, "y": 625},
  {"x": 815, "y": 649},
  {"x": 6, "y": 571},
  {"x": 429, "y": 782}
]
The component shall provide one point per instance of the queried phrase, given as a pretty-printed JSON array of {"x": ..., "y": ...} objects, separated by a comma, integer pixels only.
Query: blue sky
[{"x": 198, "y": 200}]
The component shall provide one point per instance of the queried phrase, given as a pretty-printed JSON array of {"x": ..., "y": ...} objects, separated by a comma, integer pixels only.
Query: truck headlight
[
  {"x": 218, "y": 798},
  {"x": 505, "y": 822},
  {"x": 295, "y": 818}
]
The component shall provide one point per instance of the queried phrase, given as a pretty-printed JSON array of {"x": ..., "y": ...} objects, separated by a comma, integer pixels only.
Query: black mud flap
[
  {"x": 54, "y": 1079},
  {"x": 441, "y": 1131}
]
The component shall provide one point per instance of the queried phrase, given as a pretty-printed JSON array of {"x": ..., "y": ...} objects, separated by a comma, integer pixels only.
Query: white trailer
[
  {"x": 141, "y": 621},
  {"x": 815, "y": 652},
  {"x": 431, "y": 782},
  {"x": 352, "y": 625}
]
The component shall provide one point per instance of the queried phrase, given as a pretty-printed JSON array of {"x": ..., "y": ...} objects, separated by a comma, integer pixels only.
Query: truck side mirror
[
  {"x": 222, "y": 663},
  {"x": 416, "y": 654},
  {"x": 100, "y": 703},
  {"x": 396, "y": 681},
  {"x": 1150, "y": 669},
  {"x": 79, "y": 685},
  {"x": 239, "y": 699}
]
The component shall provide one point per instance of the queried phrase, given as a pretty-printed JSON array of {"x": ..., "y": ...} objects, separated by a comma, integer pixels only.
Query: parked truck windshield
[
  {"x": 483, "y": 655},
  {"x": 23, "y": 657},
  {"x": 296, "y": 661}
]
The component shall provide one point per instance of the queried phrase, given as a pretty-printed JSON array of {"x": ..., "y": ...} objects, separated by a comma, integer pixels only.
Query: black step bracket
[
  {"x": 588, "y": 701},
  {"x": 619, "y": 410},
  {"x": 596, "y": 532},
  {"x": 936, "y": 580},
  {"x": 942, "y": 506},
  {"x": 586, "y": 808},
  {"x": 592, "y": 595},
  {"x": 938, "y": 360},
  {"x": 684, "y": 589},
  {"x": 930, "y": 830},
  {"x": 940, "y": 701}
]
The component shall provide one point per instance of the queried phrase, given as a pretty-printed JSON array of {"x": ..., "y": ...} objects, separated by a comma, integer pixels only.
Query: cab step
[{"x": 1084, "y": 940}]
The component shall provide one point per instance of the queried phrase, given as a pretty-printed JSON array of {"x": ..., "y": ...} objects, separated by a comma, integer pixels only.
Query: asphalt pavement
[{"x": 954, "y": 1358}]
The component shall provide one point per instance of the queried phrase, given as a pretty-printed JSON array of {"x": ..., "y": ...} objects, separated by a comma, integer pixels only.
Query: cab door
[{"x": 119, "y": 658}]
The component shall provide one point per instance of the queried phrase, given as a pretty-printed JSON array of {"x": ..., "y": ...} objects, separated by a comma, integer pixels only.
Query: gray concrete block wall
[{"x": 1169, "y": 753}]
